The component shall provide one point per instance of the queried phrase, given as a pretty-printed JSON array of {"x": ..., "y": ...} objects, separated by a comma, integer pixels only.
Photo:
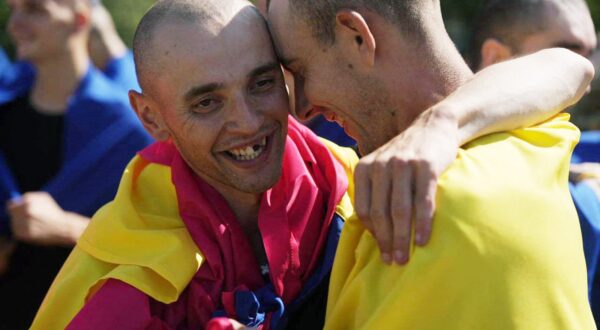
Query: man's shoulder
[
  {"x": 141, "y": 231},
  {"x": 532, "y": 157},
  {"x": 512, "y": 186}
]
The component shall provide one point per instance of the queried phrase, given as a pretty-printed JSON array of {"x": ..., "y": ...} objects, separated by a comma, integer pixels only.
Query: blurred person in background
[
  {"x": 66, "y": 133},
  {"x": 511, "y": 28}
]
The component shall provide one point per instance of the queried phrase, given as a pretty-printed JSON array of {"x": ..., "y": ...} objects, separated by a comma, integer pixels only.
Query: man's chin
[{"x": 259, "y": 186}]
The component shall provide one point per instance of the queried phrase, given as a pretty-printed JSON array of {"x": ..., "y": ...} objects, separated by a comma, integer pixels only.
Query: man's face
[
  {"x": 567, "y": 26},
  {"x": 223, "y": 101},
  {"x": 40, "y": 28},
  {"x": 327, "y": 84}
]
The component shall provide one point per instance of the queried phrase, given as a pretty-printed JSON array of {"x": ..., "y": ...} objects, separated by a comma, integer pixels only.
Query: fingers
[
  {"x": 379, "y": 213},
  {"x": 362, "y": 193},
  {"x": 401, "y": 210},
  {"x": 424, "y": 202}
]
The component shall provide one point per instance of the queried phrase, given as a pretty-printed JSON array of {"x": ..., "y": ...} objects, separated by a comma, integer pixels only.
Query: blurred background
[{"x": 459, "y": 15}]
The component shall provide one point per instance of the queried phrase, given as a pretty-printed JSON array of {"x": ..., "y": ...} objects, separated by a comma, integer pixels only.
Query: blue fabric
[
  {"x": 588, "y": 149},
  {"x": 330, "y": 131},
  {"x": 4, "y": 61},
  {"x": 252, "y": 307},
  {"x": 320, "y": 274},
  {"x": 101, "y": 135},
  {"x": 588, "y": 208},
  {"x": 121, "y": 70},
  {"x": 16, "y": 80}
]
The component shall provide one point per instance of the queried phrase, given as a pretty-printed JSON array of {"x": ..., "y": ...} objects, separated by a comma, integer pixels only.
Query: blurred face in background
[
  {"x": 44, "y": 29},
  {"x": 568, "y": 26}
]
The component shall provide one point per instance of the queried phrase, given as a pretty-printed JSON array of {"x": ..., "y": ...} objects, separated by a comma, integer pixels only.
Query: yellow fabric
[
  {"x": 348, "y": 159},
  {"x": 140, "y": 239},
  {"x": 505, "y": 252}
]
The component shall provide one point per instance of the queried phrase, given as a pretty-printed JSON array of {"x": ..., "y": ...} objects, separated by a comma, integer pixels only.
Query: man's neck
[
  {"x": 246, "y": 207},
  {"x": 58, "y": 78},
  {"x": 440, "y": 75}
]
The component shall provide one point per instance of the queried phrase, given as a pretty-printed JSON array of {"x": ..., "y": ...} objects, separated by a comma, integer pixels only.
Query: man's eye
[
  {"x": 205, "y": 105},
  {"x": 264, "y": 84}
]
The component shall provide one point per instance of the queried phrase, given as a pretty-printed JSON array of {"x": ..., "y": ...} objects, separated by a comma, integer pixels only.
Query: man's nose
[
  {"x": 302, "y": 106},
  {"x": 247, "y": 117}
]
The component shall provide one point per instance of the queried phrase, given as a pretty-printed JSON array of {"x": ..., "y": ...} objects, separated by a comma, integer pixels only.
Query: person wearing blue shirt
[{"x": 66, "y": 134}]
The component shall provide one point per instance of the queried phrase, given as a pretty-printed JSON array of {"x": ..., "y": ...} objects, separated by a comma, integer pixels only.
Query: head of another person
[
  {"x": 46, "y": 29},
  {"x": 511, "y": 28},
  {"x": 372, "y": 66},
  {"x": 211, "y": 84}
]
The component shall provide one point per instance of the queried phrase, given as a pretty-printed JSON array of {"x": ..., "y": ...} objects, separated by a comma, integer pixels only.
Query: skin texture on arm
[{"x": 398, "y": 181}]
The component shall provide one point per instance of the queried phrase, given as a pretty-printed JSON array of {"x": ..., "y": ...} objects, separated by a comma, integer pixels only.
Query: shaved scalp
[
  {"x": 510, "y": 21},
  {"x": 207, "y": 14},
  {"x": 320, "y": 15}
]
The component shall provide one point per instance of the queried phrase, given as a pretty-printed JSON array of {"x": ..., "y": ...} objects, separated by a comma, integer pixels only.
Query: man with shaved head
[
  {"x": 509, "y": 28},
  {"x": 66, "y": 134},
  {"x": 492, "y": 261},
  {"x": 215, "y": 219},
  {"x": 235, "y": 213}
]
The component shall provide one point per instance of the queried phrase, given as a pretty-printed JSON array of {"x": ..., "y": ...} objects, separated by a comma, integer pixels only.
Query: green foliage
[{"x": 127, "y": 14}]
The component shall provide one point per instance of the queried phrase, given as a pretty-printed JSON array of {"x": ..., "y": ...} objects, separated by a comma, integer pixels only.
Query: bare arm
[
  {"x": 519, "y": 93},
  {"x": 401, "y": 177}
]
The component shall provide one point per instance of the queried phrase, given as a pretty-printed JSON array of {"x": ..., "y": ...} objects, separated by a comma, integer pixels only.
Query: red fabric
[
  {"x": 294, "y": 219},
  {"x": 117, "y": 305},
  {"x": 219, "y": 323}
]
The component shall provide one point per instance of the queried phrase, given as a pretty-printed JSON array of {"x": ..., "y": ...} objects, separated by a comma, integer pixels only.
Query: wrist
[
  {"x": 75, "y": 224},
  {"x": 444, "y": 118}
]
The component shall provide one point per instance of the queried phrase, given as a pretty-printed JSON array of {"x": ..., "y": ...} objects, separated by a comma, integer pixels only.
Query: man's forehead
[
  {"x": 282, "y": 31},
  {"x": 184, "y": 46}
]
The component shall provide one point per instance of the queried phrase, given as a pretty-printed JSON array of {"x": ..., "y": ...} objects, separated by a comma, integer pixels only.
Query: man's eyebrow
[
  {"x": 199, "y": 90},
  {"x": 570, "y": 46},
  {"x": 264, "y": 69}
]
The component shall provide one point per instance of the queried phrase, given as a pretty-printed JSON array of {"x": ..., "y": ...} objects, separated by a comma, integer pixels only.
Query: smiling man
[
  {"x": 236, "y": 212},
  {"x": 493, "y": 261}
]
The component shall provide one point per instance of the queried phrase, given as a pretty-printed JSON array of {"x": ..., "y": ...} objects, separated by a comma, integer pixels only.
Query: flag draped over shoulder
[{"x": 171, "y": 241}]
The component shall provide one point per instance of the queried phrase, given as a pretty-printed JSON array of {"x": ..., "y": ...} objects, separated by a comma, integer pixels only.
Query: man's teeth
[{"x": 249, "y": 152}]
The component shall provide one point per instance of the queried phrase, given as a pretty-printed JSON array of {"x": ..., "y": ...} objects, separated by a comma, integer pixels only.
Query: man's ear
[
  {"x": 494, "y": 51},
  {"x": 353, "y": 32},
  {"x": 148, "y": 112}
]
